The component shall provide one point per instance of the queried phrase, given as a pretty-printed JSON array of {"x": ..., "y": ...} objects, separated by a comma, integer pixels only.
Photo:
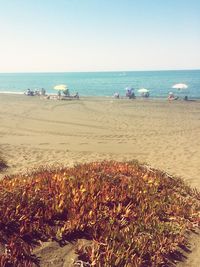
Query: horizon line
[{"x": 94, "y": 71}]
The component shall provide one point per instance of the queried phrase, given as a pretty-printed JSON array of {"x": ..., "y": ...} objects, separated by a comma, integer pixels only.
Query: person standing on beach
[{"x": 59, "y": 94}]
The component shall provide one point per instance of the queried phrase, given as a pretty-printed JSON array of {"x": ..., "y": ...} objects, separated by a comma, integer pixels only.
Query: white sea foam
[{"x": 11, "y": 92}]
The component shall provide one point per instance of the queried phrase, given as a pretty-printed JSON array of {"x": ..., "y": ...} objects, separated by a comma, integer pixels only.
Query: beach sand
[{"x": 36, "y": 132}]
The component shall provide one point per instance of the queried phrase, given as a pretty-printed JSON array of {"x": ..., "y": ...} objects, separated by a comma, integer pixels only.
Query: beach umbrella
[
  {"x": 143, "y": 90},
  {"x": 60, "y": 87},
  {"x": 180, "y": 86}
]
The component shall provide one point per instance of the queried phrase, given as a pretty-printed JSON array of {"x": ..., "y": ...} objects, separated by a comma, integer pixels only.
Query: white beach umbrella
[
  {"x": 180, "y": 86},
  {"x": 143, "y": 90},
  {"x": 60, "y": 87}
]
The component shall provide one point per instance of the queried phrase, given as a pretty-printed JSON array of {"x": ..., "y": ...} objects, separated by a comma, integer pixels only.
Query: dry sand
[{"x": 164, "y": 134}]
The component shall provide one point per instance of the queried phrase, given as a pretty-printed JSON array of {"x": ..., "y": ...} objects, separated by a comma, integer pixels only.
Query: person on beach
[
  {"x": 29, "y": 92},
  {"x": 172, "y": 97},
  {"x": 36, "y": 92},
  {"x": 43, "y": 92},
  {"x": 145, "y": 94},
  {"x": 66, "y": 92},
  {"x": 59, "y": 94},
  {"x": 76, "y": 95},
  {"x": 130, "y": 94},
  {"x": 116, "y": 95}
]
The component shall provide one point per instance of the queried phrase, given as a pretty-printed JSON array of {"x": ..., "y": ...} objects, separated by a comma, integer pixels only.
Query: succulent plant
[{"x": 133, "y": 215}]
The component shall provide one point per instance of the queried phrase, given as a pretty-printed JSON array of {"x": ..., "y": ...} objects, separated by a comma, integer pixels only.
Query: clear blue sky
[{"x": 92, "y": 35}]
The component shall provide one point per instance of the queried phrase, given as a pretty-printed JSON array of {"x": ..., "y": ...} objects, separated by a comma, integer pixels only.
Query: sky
[{"x": 99, "y": 35}]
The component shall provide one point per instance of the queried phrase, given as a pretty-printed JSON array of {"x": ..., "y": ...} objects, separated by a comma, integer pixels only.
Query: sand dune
[{"x": 36, "y": 132}]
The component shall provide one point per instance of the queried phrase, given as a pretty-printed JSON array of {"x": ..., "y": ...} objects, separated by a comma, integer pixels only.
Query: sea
[{"x": 105, "y": 84}]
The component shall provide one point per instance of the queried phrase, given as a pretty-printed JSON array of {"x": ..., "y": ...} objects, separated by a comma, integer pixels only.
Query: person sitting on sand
[
  {"x": 76, "y": 95},
  {"x": 172, "y": 97},
  {"x": 66, "y": 92},
  {"x": 29, "y": 92},
  {"x": 36, "y": 92},
  {"x": 116, "y": 95},
  {"x": 130, "y": 94},
  {"x": 145, "y": 94}
]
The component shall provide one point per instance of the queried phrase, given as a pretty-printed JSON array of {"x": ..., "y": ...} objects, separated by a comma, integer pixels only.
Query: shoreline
[{"x": 84, "y": 97}]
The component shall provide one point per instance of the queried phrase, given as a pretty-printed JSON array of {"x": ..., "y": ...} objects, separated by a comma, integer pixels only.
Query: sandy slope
[{"x": 36, "y": 131}]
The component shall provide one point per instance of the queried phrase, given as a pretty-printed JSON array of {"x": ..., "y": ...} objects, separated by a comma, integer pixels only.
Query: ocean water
[{"x": 105, "y": 83}]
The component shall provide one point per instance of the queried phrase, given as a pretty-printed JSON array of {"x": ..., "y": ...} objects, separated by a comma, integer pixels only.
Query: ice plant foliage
[{"x": 133, "y": 215}]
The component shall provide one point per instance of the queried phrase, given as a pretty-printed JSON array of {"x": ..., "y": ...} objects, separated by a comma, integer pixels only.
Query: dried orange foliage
[{"x": 134, "y": 216}]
